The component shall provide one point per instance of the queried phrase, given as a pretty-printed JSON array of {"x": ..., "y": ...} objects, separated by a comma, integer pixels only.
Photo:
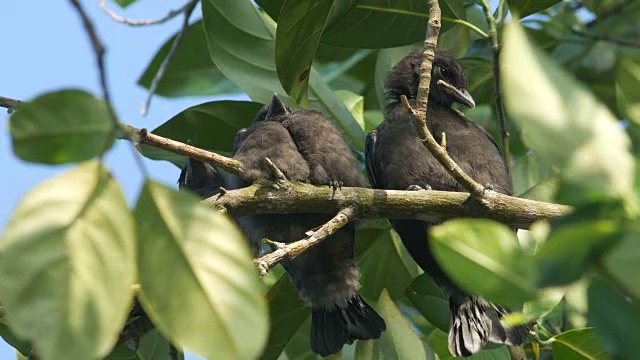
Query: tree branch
[
  {"x": 143, "y": 136},
  {"x": 289, "y": 251},
  {"x": 497, "y": 87},
  {"x": 7, "y": 103},
  {"x": 186, "y": 10},
  {"x": 431, "y": 205},
  {"x": 148, "y": 22}
]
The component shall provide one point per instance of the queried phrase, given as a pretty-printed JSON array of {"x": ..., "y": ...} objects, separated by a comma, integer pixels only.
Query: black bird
[
  {"x": 307, "y": 147},
  {"x": 396, "y": 159},
  {"x": 200, "y": 178}
]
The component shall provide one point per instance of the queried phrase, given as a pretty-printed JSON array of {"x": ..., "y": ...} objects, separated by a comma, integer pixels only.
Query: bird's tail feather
[
  {"x": 475, "y": 321},
  {"x": 331, "y": 329}
]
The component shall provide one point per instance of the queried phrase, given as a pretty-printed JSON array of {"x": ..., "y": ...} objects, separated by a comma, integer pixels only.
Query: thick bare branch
[{"x": 288, "y": 251}]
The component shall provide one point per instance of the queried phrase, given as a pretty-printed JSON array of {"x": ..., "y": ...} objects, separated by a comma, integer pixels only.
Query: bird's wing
[
  {"x": 464, "y": 117},
  {"x": 369, "y": 155}
]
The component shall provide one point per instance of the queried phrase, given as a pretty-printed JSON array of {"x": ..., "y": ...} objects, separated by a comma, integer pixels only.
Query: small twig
[
  {"x": 467, "y": 24},
  {"x": 145, "y": 137},
  {"x": 187, "y": 10},
  {"x": 497, "y": 87},
  {"x": 288, "y": 251},
  {"x": 443, "y": 157},
  {"x": 99, "y": 51},
  {"x": 278, "y": 175},
  {"x": 148, "y": 22},
  {"x": 8, "y": 103}
]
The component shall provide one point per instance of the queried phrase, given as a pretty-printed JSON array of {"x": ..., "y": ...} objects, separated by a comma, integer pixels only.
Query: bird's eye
[{"x": 444, "y": 73}]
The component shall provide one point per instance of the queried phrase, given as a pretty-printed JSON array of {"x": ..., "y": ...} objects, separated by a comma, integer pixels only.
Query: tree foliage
[{"x": 73, "y": 250}]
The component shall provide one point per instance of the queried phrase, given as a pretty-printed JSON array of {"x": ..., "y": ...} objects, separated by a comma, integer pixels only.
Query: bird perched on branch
[
  {"x": 307, "y": 147},
  {"x": 396, "y": 159},
  {"x": 200, "y": 178}
]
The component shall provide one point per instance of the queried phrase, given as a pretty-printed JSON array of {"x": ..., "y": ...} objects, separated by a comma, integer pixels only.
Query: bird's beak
[
  {"x": 461, "y": 95},
  {"x": 276, "y": 107}
]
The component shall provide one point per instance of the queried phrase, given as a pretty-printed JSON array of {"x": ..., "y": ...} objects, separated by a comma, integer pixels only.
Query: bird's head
[
  {"x": 274, "y": 108},
  {"x": 448, "y": 79}
]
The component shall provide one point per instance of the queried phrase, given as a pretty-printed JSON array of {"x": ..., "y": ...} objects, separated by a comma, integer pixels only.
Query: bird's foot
[
  {"x": 335, "y": 185},
  {"x": 489, "y": 186},
  {"x": 418, "y": 188}
]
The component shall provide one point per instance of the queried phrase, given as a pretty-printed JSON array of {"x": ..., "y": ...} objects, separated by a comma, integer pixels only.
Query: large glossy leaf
[
  {"x": 212, "y": 126},
  {"x": 287, "y": 313},
  {"x": 627, "y": 90},
  {"x": 67, "y": 263},
  {"x": 300, "y": 27},
  {"x": 216, "y": 306},
  {"x": 562, "y": 121},
  {"x": 622, "y": 262},
  {"x": 191, "y": 71},
  {"x": 573, "y": 248},
  {"x": 578, "y": 344},
  {"x": 427, "y": 297},
  {"x": 522, "y": 8},
  {"x": 399, "y": 341},
  {"x": 484, "y": 256},
  {"x": 61, "y": 127},
  {"x": 242, "y": 45},
  {"x": 383, "y": 246},
  {"x": 404, "y": 22},
  {"x": 614, "y": 318}
]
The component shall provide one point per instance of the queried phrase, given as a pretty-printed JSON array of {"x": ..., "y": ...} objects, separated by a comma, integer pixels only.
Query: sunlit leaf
[
  {"x": 61, "y": 127},
  {"x": 627, "y": 90},
  {"x": 67, "y": 263},
  {"x": 614, "y": 317},
  {"x": 399, "y": 341},
  {"x": 484, "y": 256},
  {"x": 562, "y": 121},
  {"x": 191, "y": 249},
  {"x": 578, "y": 344},
  {"x": 190, "y": 71}
]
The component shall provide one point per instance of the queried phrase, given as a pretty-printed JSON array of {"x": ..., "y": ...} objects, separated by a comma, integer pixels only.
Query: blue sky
[{"x": 45, "y": 48}]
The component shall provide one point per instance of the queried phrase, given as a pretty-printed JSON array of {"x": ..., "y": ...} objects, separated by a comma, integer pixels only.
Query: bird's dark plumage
[
  {"x": 396, "y": 159},
  {"x": 307, "y": 147},
  {"x": 200, "y": 178}
]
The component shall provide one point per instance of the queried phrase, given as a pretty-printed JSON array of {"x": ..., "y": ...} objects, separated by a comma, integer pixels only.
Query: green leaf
[
  {"x": 484, "y": 256},
  {"x": 399, "y": 341},
  {"x": 196, "y": 251},
  {"x": 153, "y": 346},
  {"x": 523, "y": 8},
  {"x": 430, "y": 301},
  {"x": 355, "y": 104},
  {"x": 287, "y": 313},
  {"x": 124, "y": 3},
  {"x": 572, "y": 248},
  {"x": 383, "y": 246},
  {"x": 405, "y": 22},
  {"x": 67, "y": 263},
  {"x": 578, "y": 344},
  {"x": 621, "y": 263},
  {"x": 190, "y": 72},
  {"x": 614, "y": 318},
  {"x": 627, "y": 90},
  {"x": 61, "y": 127},
  {"x": 300, "y": 27},
  {"x": 10, "y": 338},
  {"x": 211, "y": 126},
  {"x": 562, "y": 121},
  {"x": 242, "y": 45}
]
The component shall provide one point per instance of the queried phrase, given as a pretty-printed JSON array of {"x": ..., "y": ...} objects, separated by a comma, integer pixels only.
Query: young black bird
[
  {"x": 308, "y": 148},
  {"x": 396, "y": 159},
  {"x": 200, "y": 178}
]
